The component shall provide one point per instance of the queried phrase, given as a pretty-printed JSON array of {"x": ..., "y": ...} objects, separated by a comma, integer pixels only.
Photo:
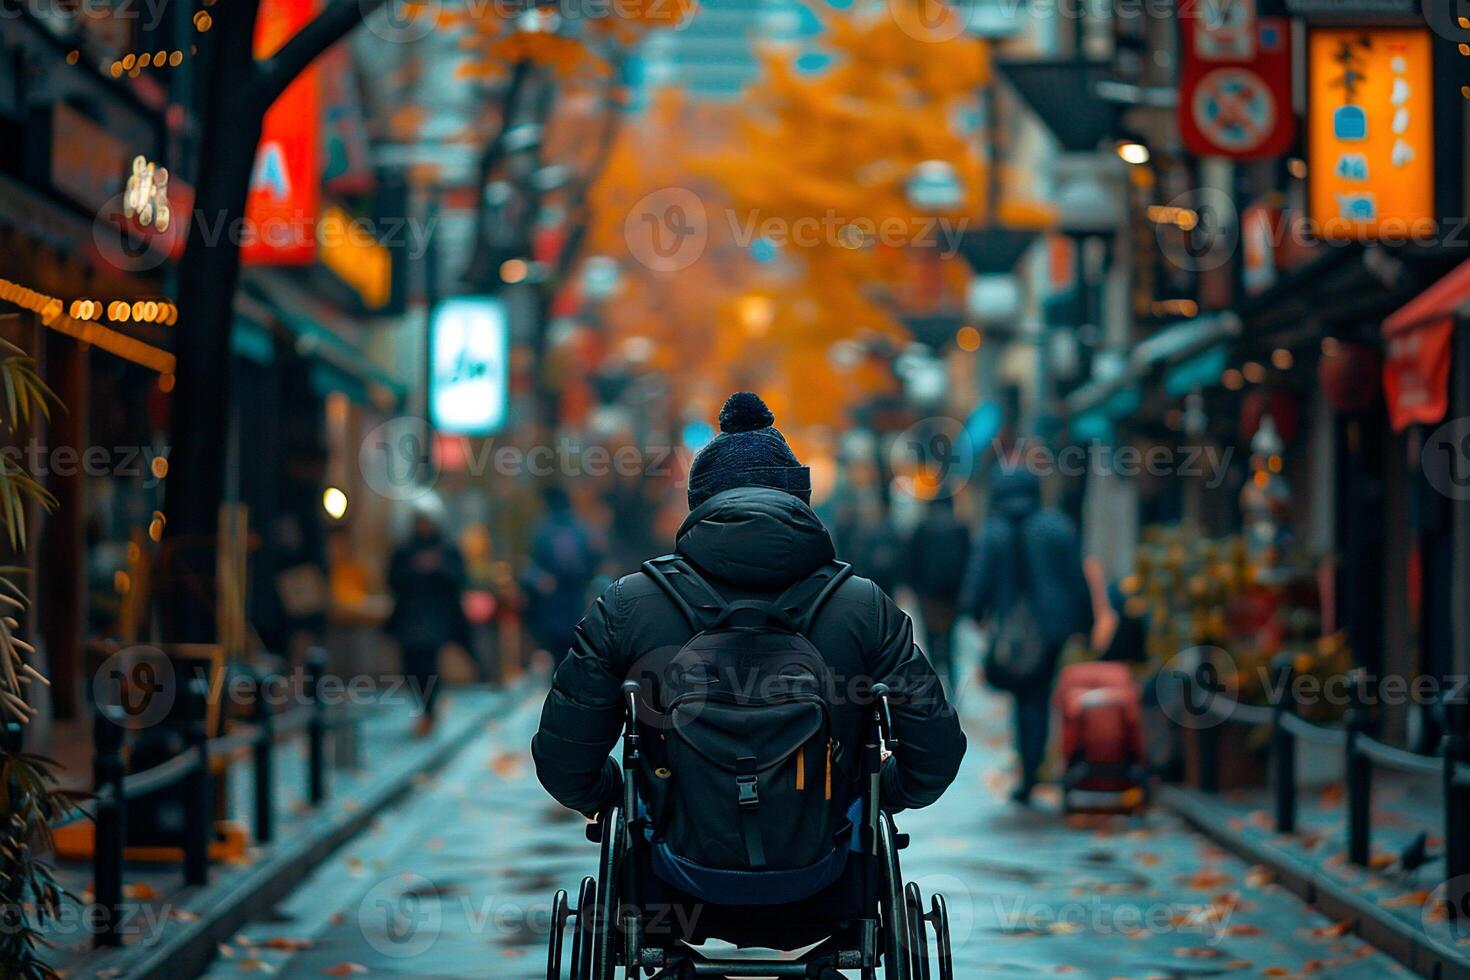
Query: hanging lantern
[
  {"x": 1348, "y": 375},
  {"x": 1260, "y": 402}
]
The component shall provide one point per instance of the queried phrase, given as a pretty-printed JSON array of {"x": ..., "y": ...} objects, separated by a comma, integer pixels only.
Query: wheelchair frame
[{"x": 608, "y": 933}]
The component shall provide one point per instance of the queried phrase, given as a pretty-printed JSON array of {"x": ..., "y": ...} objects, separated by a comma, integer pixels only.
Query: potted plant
[{"x": 30, "y": 799}]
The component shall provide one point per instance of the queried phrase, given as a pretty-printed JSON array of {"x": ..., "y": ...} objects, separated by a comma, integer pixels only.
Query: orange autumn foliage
[
  {"x": 822, "y": 162},
  {"x": 498, "y": 38}
]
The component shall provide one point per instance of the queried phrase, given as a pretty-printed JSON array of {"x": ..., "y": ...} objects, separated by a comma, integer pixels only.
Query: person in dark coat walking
[
  {"x": 935, "y": 559},
  {"x": 750, "y": 534},
  {"x": 426, "y": 576},
  {"x": 562, "y": 564},
  {"x": 1029, "y": 554}
]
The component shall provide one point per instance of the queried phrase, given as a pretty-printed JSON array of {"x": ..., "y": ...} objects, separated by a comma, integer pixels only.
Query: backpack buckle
[{"x": 748, "y": 796}]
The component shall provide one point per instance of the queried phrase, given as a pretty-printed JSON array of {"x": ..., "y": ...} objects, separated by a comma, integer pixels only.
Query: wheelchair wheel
[
  {"x": 560, "y": 913},
  {"x": 939, "y": 916},
  {"x": 584, "y": 933},
  {"x": 606, "y": 923},
  {"x": 920, "y": 922},
  {"x": 918, "y": 933},
  {"x": 896, "y": 939}
]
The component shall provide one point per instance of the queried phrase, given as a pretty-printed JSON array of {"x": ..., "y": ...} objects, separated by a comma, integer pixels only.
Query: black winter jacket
[{"x": 749, "y": 543}]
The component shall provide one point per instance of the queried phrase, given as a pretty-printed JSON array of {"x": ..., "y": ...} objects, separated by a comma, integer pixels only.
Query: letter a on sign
[{"x": 271, "y": 176}]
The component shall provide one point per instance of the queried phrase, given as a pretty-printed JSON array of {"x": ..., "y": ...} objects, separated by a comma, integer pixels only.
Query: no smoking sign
[{"x": 1235, "y": 86}]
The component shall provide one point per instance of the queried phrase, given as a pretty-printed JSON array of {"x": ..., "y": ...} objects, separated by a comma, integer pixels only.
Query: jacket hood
[
  {"x": 755, "y": 538},
  {"x": 1015, "y": 492}
]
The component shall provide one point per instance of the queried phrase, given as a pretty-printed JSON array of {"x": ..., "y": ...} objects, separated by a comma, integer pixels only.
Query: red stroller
[{"x": 1102, "y": 739}]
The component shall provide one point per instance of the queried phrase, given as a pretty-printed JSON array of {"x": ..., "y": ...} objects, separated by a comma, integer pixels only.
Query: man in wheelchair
[{"x": 754, "y": 680}]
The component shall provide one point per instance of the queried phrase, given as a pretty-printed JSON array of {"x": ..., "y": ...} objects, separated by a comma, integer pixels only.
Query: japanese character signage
[
  {"x": 1235, "y": 83},
  {"x": 1371, "y": 133}
]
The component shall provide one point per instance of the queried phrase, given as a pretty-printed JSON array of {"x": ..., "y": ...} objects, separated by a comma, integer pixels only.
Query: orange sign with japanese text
[
  {"x": 285, "y": 184},
  {"x": 1371, "y": 134}
]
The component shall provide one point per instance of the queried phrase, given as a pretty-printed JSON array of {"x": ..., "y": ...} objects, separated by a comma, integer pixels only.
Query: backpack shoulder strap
[
  {"x": 805, "y": 599},
  {"x": 695, "y": 598}
]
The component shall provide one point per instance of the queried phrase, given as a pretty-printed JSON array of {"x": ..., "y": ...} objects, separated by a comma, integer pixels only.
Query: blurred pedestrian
[
  {"x": 934, "y": 561},
  {"x": 1026, "y": 585},
  {"x": 426, "y": 576},
  {"x": 563, "y": 563},
  {"x": 874, "y": 546}
]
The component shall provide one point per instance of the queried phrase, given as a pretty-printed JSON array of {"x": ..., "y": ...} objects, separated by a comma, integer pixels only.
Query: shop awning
[
  {"x": 1063, "y": 93},
  {"x": 1172, "y": 345},
  {"x": 337, "y": 364},
  {"x": 1416, "y": 365}
]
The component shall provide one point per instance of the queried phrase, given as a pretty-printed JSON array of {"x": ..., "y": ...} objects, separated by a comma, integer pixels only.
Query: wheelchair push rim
[{"x": 594, "y": 953}]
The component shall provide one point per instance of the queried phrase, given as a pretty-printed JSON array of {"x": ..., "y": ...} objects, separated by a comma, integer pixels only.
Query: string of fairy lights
[
  {"x": 122, "y": 311},
  {"x": 134, "y": 63}
]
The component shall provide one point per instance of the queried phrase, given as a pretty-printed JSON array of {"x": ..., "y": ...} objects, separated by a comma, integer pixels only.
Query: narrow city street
[
  {"x": 457, "y": 883},
  {"x": 354, "y": 352}
]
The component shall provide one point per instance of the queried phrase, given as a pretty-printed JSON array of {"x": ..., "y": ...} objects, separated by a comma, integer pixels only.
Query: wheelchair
[{"x": 873, "y": 924}]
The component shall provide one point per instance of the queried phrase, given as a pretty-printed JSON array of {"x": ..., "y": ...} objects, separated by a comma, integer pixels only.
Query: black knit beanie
[{"x": 749, "y": 452}]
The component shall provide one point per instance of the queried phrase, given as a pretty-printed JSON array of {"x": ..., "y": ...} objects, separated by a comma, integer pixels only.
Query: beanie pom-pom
[{"x": 745, "y": 412}]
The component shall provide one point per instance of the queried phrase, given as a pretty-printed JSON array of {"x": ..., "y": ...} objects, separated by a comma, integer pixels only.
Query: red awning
[{"x": 1416, "y": 366}]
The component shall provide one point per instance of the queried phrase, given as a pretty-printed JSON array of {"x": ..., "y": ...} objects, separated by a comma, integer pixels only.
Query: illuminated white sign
[{"x": 468, "y": 365}]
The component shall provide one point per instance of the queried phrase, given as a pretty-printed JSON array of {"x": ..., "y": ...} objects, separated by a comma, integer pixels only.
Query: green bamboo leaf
[{"x": 8, "y": 375}]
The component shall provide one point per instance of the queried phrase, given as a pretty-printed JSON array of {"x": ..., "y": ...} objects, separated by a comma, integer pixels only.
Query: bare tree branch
[
  {"x": 489, "y": 160},
  {"x": 577, "y": 209},
  {"x": 329, "y": 27}
]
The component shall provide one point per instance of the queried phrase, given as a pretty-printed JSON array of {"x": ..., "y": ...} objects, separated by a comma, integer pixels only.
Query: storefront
[{"x": 1424, "y": 382}]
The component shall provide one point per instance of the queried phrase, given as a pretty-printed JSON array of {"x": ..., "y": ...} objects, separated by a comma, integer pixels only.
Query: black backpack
[
  {"x": 744, "y": 772},
  {"x": 1018, "y": 659}
]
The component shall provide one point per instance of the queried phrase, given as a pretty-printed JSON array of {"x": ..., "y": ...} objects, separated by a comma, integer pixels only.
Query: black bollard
[
  {"x": 1283, "y": 748},
  {"x": 198, "y": 798},
  {"x": 264, "y": 751},
  {"x": 1457, "y": 803},
  {"x": 1359, "y": 775},
  {"x": 1207, "y": 732},
  {"x": 108, "y": 771},
  {"x": 316, "y": 727}
]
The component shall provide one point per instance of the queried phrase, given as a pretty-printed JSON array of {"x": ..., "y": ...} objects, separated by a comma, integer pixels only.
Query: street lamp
[{"x": 1133, "y": 152}]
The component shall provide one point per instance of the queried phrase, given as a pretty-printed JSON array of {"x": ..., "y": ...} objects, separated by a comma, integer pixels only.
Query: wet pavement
[{"x": 456, "y": 882}]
